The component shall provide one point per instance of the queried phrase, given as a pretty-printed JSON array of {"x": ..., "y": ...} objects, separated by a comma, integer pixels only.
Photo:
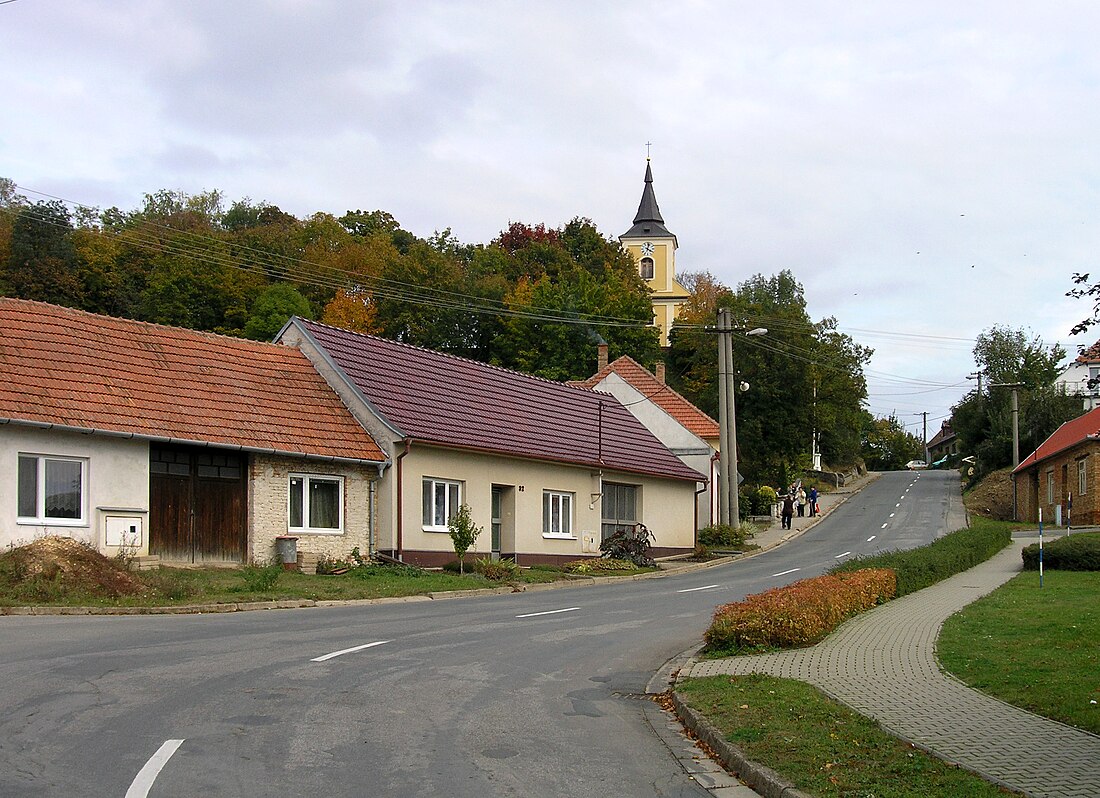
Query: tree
[
  {"x": 272, "y": 309},
  {"x": 463, "y": 533},
  {"x": 42, "y": 260},
  {"x": 886, "y": 446}
]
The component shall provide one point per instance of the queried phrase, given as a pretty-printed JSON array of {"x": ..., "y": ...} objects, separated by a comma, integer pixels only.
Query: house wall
[
  {"x": 116, "y": 486},
  {"x": 1074, "y": 381},
  {"x": 268, "y": 507},
  {"x": 692, "y": 450},
  {"x": 666, "y": 506},
  {"x": 1032, "y": 493}
]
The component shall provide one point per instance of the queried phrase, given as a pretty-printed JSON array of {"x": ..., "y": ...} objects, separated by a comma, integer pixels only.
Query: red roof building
[{"x": 1060, "y": 478}]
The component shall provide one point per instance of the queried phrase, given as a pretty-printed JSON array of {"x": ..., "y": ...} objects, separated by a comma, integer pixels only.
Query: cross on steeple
[{"x": 648, "y": 144}]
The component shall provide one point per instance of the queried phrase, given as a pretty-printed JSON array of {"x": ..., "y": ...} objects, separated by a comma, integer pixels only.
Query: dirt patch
[
  {"x": 992, "y": 497},
  {"x": 53, "y": 567}
]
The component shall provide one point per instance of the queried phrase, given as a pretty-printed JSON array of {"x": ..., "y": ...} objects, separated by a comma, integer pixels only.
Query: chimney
[
  {"x": 601, "y": 357},
  {"x": 659, "y": 372}
]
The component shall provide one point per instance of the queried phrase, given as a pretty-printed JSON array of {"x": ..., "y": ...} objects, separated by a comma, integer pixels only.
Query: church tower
[{"x": 654, "y": 250}]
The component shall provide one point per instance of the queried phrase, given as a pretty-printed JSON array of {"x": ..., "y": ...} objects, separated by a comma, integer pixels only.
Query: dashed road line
[
  {"x": 548, "y": 612},
  {"x": 845, "y": 554},
  {"x": 693, "y": 589},
  {"x": 892, "y": 514},
  {"x": 351, "y": 650},
  {"x": 788, "y": 571},
  {"x": 871, "y": 538},
  {"x": 143, "y": 781},
  {"x": 883, "y": 526}
]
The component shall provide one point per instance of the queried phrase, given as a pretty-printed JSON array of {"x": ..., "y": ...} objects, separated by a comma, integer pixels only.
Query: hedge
[{"x": 1077, "y": 552}]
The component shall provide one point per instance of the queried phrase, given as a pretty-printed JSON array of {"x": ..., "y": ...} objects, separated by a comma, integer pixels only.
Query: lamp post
[{"x": 728, "y": 510}]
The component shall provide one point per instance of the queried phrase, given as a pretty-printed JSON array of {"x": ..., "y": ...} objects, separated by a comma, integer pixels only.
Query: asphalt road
[{"x": 530, "y": 694}]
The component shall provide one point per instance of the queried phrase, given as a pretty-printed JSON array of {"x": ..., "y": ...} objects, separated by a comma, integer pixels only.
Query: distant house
[
  {"x": 1065, "y": 466},
  {"x": 943, "y": 443},
  {"x": 188, "y": 446},
  {"x": 687, "y": 431},
  {"x": 547, "y": 470},
  {"x": 1082, "y": 377}
]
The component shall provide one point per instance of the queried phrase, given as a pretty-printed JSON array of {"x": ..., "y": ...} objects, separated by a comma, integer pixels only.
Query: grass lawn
[
  {"x": 822, "y": 747},
  {"x": 1035, "y": 648}
]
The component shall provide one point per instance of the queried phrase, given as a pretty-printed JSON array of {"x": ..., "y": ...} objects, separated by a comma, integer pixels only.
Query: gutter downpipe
[
  {"x": 695, "y": 507},
  {"x": 400, "y": 499}
]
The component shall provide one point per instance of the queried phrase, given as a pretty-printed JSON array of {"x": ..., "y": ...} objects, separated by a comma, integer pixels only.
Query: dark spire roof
[{"x": 648, "y": 221}]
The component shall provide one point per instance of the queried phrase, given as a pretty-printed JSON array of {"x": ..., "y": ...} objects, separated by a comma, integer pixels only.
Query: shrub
[
  {"x": 1077, "y": 552},
  {"x": 755, "y": 500},
  {"x": 799, "y": 614},
  {"x": 463, "y": 532},
  {"x": 951, "y": 554},
  {"x": 629, "y": 544},
  {"x": 723, "y": 536},
  {"x": 594, "y": 565},
  {"x": 260, "y": 578},
  {"x": 496, "y": 570}
]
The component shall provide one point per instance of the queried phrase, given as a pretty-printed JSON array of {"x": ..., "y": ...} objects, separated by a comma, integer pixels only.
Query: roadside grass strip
[{"x": 820, "y": 746}]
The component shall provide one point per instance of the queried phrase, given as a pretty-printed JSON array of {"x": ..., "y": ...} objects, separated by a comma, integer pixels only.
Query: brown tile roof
[
  {"x": 74, "y": 369},
  {"x": 1071, "y": 433},
  {"x": 688, "y": 415},
  {"x": 453, "y": 402},
  {"x": 1090, "y": 355}
]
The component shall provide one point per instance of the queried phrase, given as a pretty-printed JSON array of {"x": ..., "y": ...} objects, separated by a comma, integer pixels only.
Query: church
[{"x": 653, "y": 248}]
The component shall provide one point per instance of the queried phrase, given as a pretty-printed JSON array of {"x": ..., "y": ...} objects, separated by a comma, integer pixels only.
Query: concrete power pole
[
  {"x": 727, "y": 453},
  {"x": 925, "y": 414}
]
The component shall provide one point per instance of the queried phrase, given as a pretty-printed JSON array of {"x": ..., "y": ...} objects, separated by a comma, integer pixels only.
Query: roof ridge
[{"x": 666, "y": 387}]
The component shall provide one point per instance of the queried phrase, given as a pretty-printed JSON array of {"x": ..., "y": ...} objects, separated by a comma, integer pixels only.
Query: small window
[
  {"x": 51, "y": 490},
  {"x": 441, "y": 501},
  {"x": 1082, "y": 477},
  {"x": 557, "y": 515},
  {"x": 647, "y": 268},
  {"x": 620, "y": 507},
  {"x": 1050, "y": 487},
  {"x": 316, "y": 504}
]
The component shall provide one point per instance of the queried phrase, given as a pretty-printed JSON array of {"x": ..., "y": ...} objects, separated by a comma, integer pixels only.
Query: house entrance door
[
  {"x": 198, "y": 508},
  {"x": 495, "y": 522}
]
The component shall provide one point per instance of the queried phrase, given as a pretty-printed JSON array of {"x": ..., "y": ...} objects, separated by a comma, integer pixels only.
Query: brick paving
[{"x": 882, "y": 664}]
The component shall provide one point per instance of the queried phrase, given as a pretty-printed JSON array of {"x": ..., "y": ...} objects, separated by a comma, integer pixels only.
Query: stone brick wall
[
  {"x": 268, "y": 507},
  {"x": 1031, "y": 487}
]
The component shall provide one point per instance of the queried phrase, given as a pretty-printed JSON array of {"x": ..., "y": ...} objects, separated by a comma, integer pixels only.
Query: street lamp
[{"x": 728, "y": 510}]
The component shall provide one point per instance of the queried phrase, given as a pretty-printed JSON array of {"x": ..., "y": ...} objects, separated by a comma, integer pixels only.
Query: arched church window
[{"x": 647, "y": 268}]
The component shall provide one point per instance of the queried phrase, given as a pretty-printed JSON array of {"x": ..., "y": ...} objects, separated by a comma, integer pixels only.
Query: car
[{"x": 916, "y": 465}]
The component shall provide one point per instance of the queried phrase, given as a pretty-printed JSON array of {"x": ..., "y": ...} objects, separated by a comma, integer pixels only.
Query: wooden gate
[{"x": 198, "y": 504}]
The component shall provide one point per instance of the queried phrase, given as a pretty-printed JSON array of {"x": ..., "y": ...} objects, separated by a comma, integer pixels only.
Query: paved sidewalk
[
  {"x": 882, "y": 664},
  {"x": 776, "y": 535}
]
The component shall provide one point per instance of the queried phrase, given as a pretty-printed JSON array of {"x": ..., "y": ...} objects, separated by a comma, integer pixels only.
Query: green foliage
[
  {"x": 600, "y": 565},
  {"x": 723, "y": 536},
  {"x": 886, "y": 446},
  {"x": 1077, "y": 552},
  {"x": 629, "y": 543},
  {"x": 951, "y": 554},
  {"x": 272, "y": 309},
  {"x": 496, "y": 570},
  {"x": 463, "y": 533},
  {"x": 755, "y": 500},
  {"x": 260, "y": 578},
  {"x": 798, "y": 614},
  {"x": 42, "y": 264}
]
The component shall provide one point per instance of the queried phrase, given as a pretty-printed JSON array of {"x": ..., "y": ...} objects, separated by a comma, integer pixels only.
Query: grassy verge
[
  {"x": 821, "y": 746},
  {"x": 1034, "y": 648}
]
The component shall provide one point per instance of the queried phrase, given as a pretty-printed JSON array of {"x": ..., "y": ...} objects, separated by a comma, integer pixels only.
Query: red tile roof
[
  {"x": 1073, "y": 432},
  {"x": 1090, "y": 355},
  {"x": 73, "y": 369},
  {"x": 688, "y": 415},
  {"x": 450, "y": 401}
]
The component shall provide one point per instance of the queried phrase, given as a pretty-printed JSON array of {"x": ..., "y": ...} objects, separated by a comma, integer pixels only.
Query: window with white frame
[
  {"x": 51, "y": 490},
  {"x": 1050, "y": 487},
  {"x": 557, "y": 514},
  {"x": 1082, "y": 477},
  {"x": 316, "y": 504},
  {"x": 442, "y": 498}
]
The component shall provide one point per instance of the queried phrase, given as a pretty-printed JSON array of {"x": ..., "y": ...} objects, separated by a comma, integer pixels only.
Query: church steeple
[{"x": 648, "y": 222}]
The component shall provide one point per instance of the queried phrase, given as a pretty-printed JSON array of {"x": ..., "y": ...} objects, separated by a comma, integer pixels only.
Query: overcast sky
[{"x": 926, "y": 170}]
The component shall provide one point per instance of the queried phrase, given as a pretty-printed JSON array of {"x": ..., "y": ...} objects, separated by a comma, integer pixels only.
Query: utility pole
[
  {"x": 925, "y": 414},
  {"x": 977, "y": 375},
  {"x": 1015, "y": 386}
]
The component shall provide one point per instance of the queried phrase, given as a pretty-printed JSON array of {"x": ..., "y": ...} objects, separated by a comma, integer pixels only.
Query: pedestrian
[
  {"x": 801, "y": 500},
  {"x": 788, "y": 510},
  {"x": 813, "y": 502}
]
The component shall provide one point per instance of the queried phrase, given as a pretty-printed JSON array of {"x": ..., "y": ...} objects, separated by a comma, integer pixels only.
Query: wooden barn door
[{"x": 198, "y": 503}]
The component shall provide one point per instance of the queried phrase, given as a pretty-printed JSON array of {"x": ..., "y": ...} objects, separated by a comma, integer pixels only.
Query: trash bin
[{"x": 286, "y": 548}]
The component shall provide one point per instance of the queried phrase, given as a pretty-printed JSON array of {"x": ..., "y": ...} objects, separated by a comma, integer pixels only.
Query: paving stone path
[{"x": 882, "y": 664}]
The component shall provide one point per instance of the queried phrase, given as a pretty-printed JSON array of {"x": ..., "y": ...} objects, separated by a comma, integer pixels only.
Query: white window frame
[
  {"x": 1082, "y": 476},
  {"x": 449, "y": 511},
  {"x": 307, "y": 528},
  {"x": 557, "y": 505},
  {"x": 40, "y": 517}
]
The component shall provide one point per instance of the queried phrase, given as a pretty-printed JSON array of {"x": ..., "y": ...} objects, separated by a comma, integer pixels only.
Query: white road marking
[
  {"x": 143, "y": 781},
  {"x": 883, "y": 526},
  {"x": 871, "y": 538},
  {"x": 323, "y": 657},
  {"x": 693, "y": 589},
  {"x": 784, "y": 573},
  {"x": 898, "y": 504},
  {"x": 845, "y": 554},
  {"x": 892, "y": 514},
  {"x": 548, "y": 612}
]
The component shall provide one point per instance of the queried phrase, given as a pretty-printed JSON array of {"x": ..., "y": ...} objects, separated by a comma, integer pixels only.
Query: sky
[{"x": 925, "y": 170}]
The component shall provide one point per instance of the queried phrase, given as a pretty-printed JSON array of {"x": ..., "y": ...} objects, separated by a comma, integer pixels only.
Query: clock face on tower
[{"x": 647, "y": 248}]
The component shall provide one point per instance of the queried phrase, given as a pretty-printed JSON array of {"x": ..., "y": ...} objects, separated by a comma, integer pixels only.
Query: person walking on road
[
  {"x": 788, "y": 510},
  {"x": 801, "y": 501},
  {"x": 813, "y": 502}
]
